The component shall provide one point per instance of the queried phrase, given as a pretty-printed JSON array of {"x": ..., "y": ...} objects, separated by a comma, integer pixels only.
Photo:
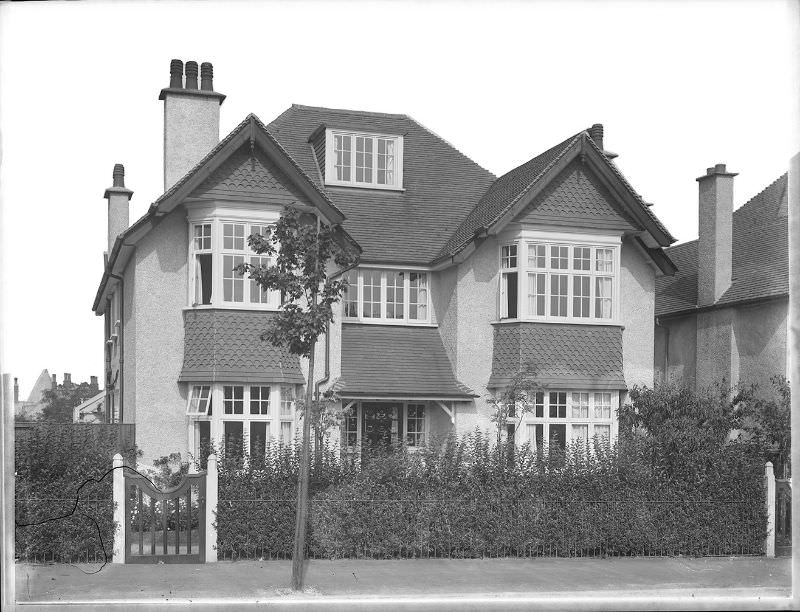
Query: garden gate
[{"x": 167, "y": 526}]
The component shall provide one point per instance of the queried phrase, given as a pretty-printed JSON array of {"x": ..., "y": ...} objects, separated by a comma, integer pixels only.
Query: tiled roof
[
  {"x": 441, "y": 185},
  {"x": 562, "y": 356},
  {"x": 225, "y": 345},
  {"x": 503, "y": 193},
  {"x": 760, "y": 256},
  {"x": 396, "y": 361}
]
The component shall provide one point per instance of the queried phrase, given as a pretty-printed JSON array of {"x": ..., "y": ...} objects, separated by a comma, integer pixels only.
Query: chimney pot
[
  {"x": 119, "y": 175},
  {"x": 176, "y": 74},
  {"x": 206, "y": 76},
  {"x": 191, "y": 75},
  {"x": 719, "y": 168},
  {"x": 596, "y": 134}
]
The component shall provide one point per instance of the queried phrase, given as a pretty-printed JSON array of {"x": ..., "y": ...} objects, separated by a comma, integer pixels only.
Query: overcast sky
[{"x": 679, "y": 86}]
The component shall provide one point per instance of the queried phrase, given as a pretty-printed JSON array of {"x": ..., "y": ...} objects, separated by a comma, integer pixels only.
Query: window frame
[
  {"x": 356, "y": 411},
  {"x": 382, "y": 319},
  {"x": 330, "y": 159},
  {"x": 529, "y": 273}
]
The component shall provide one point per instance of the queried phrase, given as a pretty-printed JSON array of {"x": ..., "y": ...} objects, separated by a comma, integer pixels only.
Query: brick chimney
[
  {"x": 93, "y": 382},
  {"x": 191, "y": 118},
  {"x": 118, "y": 205},
  {"x": 67, "y": 378},
  {"x": 54, "y": 384},
  {"x": 715, "y": 244}
]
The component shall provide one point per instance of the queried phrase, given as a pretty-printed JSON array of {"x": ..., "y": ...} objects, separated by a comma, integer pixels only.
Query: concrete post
[
  {"x": 769, "y": 547},
  {"x": 8, "y": 493},
  {"x": 211, "y": 509},
  {"x": 793, "y": 341},
  {"x": 119, "y": 510}
]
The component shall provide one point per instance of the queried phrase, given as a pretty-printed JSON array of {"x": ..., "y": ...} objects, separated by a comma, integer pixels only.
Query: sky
[{"x": 679, "y": 86}]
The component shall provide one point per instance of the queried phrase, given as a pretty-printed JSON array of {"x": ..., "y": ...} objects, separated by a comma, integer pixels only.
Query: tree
[
  {"x": 59, "y": 402},
  {"x": 305, "y": 249},
  {"x": 768, "y": 422}
]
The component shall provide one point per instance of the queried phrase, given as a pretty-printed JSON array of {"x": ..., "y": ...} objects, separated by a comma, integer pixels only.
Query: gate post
[
  {"x": 118, "y": 491},
  {"x": 212, "y": 494},
  {"x": 769, "y": 476}
]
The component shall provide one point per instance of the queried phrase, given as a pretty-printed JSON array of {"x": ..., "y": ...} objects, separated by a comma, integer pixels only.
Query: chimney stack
[
  {"x": 191, "y": 118},
  {"x": 93, "y": 381},
  {"x": 54, "y": 385},
  {"x": 67, "y": 378},
  {"x": 596, "y": 134},
  {"x": 118, "y": 205},
  {"x": 16, "y": 390},
  {"x": 715, "y": 243}
]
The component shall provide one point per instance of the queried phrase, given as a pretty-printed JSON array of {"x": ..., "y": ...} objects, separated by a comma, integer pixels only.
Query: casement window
[
  {"x": 218, "y": 247},
  {"x": 415, "y": 424},
  {"x": 409, "y": 423},
  {"x": 387, "y": 296},
  {"x": 248, "y": 416},
  {"x": 574, "y": 283},
  {"x": 558, "y": 418},
  {"x": 363, "y": 160}
]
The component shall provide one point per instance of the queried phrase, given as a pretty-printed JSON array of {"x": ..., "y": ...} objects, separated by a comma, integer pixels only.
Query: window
[
  {"x": 569, "y": 283},
  {"x": 259, "y": 400},
  {"x": 233, "y": 400},
  {"x": 350, "y": 428},
  {"x": 199, "y": 400},
  {"x": 508, "y": 282},
  {"x": 364, "y": 160},
  {"x": 562, "y": 417},
  {"x": 415, "y": 424},
  {"x": 218, "y": 248},
  {"x": 388, "y": 296}
]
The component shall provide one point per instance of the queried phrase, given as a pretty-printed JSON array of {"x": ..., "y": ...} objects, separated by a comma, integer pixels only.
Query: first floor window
[
  {"x": 200, "y": 400},
  {"x": 372, "y": 294},
  {"x": 387, "y": 295},
  {"x": 395, "y": 284},
  {"x": 259, "y": 400},
  {"x": 232, "y": 281},
  {"x": 363, "y": 160},
  {"x": 350, "y": 297},
  {"x": 233, "y": 402}
]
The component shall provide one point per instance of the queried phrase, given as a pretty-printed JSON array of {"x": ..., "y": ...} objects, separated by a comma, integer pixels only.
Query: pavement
[{"x": 471, "y": 584}]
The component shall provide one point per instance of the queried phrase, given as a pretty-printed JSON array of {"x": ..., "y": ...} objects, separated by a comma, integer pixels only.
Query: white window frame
[
  {"x": 330, "y": 160},
  {"x": 217, "y": 218},
  {"x": 357, "y": 408},
  {"x": 591, "y": 420},
  {"x": 218, "y": 418},
  {"x": 358, "y": 287},
  {"x": 527, "y": 274}
]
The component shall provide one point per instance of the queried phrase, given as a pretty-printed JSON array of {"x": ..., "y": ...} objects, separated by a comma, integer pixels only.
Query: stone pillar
[
  {"x": 212, "y": 494},
  {"x": 7, "y": 517},
  {"x": 118, "y": 489}
]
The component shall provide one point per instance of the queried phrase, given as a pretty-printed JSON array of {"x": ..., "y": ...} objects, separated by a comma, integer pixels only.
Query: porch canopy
[
  {"x": 397, "y": 362},
  {"x": 562, "y": 356}
]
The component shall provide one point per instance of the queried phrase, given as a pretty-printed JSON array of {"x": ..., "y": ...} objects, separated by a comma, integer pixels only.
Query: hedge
[
  {"x": 467, "y": 498},
  {"x": 55, "y": 468}
]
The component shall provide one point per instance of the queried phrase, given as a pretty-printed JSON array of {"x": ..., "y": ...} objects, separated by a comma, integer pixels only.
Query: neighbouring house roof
[
  {"x": 760, "y": 257},
  {"x": 31, "y": 407},
  {"x": 440, "y": 184},
  {"x": 224, "y": 345},
  {"x": 561, "y": 356},
  {"x": 510, "y": 190},
  {"x": 396, "y": 361}
]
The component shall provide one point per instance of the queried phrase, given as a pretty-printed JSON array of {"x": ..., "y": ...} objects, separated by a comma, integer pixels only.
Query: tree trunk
[{"x": 301, "y": 518}]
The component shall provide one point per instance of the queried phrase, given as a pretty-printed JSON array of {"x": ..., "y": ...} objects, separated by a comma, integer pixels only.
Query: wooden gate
[
  {"x": 166, "y": 526},
  {"x": 783, "y": 516}
]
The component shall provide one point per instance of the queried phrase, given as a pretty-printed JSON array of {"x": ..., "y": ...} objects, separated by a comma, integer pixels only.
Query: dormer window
[{"x": 363, "y": 160}]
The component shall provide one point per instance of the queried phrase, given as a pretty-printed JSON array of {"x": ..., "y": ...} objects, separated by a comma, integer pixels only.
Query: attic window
[{"x": 363, "y": 160}]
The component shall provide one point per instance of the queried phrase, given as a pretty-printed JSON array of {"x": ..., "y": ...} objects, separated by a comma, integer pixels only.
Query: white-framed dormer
[
  {"x": 363, "y": 159},
  {"x": 217, "y": 243},
  {"x": 388, "y": 296},
  {"x": 559, "y": 277}
]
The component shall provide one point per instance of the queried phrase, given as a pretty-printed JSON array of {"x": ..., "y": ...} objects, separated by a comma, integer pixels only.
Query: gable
[
  {"x": 576, "y": 197},
  {"x": 249, "y": 176}
]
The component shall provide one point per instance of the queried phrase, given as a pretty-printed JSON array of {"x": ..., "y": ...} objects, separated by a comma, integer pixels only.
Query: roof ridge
[{"x": 350, "y": 111}]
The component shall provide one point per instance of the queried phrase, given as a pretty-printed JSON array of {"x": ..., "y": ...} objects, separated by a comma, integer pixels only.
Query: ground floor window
[
  {"x": 558, "y": 418},
  {"x": 370, "y": 424},
  {"x": 241, "y": 418}
]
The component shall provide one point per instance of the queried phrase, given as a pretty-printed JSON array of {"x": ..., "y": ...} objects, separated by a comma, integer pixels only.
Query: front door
[{"x": 380, "y": 424}]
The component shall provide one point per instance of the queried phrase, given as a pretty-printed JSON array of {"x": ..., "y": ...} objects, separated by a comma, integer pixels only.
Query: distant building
[
  {"x": 30, "y": 409},
  {"x": 724, "y": 313}
]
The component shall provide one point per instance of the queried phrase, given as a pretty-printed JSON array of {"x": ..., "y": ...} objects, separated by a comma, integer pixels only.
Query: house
[
  {"x": 464, "y": 279},
  {"x": 91, "y": 410},
  {"x": 724, "y": 314},
  {"x": 30, "y": 409}
]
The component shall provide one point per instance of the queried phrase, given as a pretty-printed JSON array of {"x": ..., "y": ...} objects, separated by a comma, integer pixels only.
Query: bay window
[
  {"x": 363, "y": 160},
  {"x": 387, "y": 296},
  {"x": 218, "y": 247},
  {"x": 245, "y": 417},
  {"x": 575, "y": 283},
  {"x": 558, "y": 418}
]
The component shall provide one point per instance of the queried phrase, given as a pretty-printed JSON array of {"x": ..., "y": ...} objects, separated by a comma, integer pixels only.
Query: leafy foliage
[
  {"x": 59, "y": 402},
  {"x": 303, "y": 249},
  {"x": 52, "y": 463}
]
